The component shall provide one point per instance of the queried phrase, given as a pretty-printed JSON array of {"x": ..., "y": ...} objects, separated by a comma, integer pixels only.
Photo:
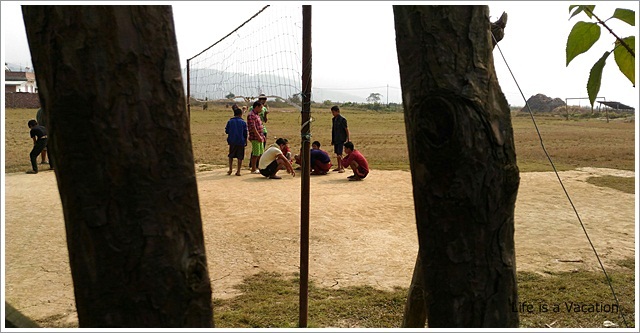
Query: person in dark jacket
[
  {"x": 42, "y": 122},
  {"x": 339, "y": 135},
  {"x": 39, "y": 135}
]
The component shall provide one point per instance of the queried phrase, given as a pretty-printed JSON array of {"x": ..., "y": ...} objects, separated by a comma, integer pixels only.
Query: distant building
[
  {"x": 21, "y": 90},
  {"x": 617, "y": 106},
  {"x": 19, "y": 81}
]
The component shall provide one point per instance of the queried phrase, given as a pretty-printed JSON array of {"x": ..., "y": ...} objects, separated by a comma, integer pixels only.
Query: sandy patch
[{"x": 360, "y": 232}]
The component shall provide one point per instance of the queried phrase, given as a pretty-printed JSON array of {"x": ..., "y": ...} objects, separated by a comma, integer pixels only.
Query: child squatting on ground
[
  {"x": 356, "y": 161},
  {"x": 272, "y": 161}
]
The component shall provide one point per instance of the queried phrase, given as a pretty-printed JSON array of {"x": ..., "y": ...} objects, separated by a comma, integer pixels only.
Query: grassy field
[
  {"x": 270, "y": 300},
  {"x": 381, "y": 137}
]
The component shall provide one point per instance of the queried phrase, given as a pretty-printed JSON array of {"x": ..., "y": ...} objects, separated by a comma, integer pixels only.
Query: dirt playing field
[{"x": 360, "y": 232}]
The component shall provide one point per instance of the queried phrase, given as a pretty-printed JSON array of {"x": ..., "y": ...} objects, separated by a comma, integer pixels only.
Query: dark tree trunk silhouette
[
  {"x": 463, "y": 164},
  {"x": 415, "y": 308},
  {"x": 110, "y": 79}
]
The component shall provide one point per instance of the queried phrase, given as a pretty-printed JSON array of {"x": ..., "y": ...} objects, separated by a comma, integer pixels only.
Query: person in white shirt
[{"x": 272, "y": 161}]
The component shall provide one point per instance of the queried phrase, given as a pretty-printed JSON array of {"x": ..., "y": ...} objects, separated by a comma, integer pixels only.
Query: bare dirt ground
[{"x": 360, "y": 232}]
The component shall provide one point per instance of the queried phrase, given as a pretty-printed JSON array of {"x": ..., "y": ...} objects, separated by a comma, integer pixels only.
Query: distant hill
[
  {"x": 321, "y": 95},
  {"x": 219, "y": 84},
  {"x": 357, "y": 95}
]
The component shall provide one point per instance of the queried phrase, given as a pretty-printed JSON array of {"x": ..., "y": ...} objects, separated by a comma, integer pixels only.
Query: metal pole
[
  {"x": 188, "y": 90},
  {"x": 306, "y": 168}
]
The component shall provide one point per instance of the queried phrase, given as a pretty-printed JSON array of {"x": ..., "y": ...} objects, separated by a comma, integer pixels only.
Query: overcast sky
[{"x": 354, "y": 44}]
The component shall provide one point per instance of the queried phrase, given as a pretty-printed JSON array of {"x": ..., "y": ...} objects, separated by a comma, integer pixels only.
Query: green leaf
[
  {"x": 625, "y": 15},
  {"x": 626, "y": 62},
  {"x": 589, "y": 10},
  {"x": 582, "y": 36},
  {"x": 579, "y": 8},
  {"x": 576, "y": 12},
  {"x": 595, "y": 78}
]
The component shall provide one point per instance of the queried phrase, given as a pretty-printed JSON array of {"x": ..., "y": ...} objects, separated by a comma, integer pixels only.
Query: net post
[
  {"x": 306, "y": 169},
  {"x": 188, "y": 90}
]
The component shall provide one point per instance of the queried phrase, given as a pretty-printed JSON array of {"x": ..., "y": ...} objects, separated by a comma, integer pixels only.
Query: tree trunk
[
  {"x": 463, "y": 164},
  {"x": 415, "y": 309},
  {"x": 111, "y": 82}
]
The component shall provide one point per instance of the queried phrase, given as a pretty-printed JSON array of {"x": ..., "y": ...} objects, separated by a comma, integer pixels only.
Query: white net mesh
[{"x": 262, "y": 56}]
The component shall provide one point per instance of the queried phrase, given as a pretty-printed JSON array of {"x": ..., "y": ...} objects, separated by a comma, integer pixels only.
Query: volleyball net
[{"x": 261, "y": 56}]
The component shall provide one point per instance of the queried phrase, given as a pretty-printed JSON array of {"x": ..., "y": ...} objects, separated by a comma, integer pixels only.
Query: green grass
[
  {"x": 629, "y": 263},
  {"x": 381, "y": 137},
  {"x": 624, "y": 184},
  {"x": 573, "y": 144},
  {"x": 552, "y": 298},
  {"x": 271, "y": 300}
]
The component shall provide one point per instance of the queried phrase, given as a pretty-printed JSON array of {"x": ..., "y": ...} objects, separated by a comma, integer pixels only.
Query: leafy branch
[{"x": 584, "y": 34}]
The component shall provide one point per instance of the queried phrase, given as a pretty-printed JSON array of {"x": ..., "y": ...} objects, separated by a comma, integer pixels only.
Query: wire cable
[{"x": 562, "y": 184}]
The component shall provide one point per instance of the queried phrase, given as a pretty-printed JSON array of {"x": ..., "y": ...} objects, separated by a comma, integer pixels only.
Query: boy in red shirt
[
  {"x": 356, "y": 161},
  {"x": 286, "y": 151}
]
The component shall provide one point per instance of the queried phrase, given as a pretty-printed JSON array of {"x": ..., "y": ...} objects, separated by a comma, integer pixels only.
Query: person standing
[
  {"x": 356, "y": 161},
  {"x": 39, "y": 135},
  {"x": 256, "y": 135},
  {"x": 237, "y": 134},
  {"x": 339, "y": 135},
  {"x": 263, "y": 116},
  {"x": 42, "y": 122}
]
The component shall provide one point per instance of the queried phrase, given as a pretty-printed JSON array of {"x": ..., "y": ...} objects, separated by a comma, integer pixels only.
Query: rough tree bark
[
  {"x": 463, "y": 163},
  {"x": 415, "y": 308},
  {"x": 110, "y": 78}
]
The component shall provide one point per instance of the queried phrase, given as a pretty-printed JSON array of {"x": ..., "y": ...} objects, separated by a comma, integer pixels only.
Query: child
[
  {"x": 286, "y": 151},
  {"x": 237, "y": 134},
  {"x": 256, "y": 135},
  {"x": 356, "y": 161},
  {"x": 41, "y": 122},
  {"x": 273, "y": 160},
  {"x": 320, "y": 160},
  {"x": 339, "y": 135},
  {"x": 39, "y": 135}
]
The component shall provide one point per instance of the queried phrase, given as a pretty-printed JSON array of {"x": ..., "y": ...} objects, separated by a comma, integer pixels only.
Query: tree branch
[{"x": 633, "y": 54}]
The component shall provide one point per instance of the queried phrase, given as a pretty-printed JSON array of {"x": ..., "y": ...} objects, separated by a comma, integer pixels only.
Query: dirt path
[{"x": 366, "y": 237}]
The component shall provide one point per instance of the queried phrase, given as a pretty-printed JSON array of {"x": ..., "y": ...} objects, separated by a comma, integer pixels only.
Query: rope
[
  {"x": 306, "y": 136},
  {"x": 307, "y": 122},
  {"x": 562, "y": 184},
  {"x": 229, "y": 34},
  {"x": 261, "y": 56}
]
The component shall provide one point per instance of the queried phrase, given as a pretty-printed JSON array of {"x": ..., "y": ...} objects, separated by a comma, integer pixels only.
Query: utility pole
[
  {"x": 305, "y": 132},
  {"x": 188, "y": 90}
]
